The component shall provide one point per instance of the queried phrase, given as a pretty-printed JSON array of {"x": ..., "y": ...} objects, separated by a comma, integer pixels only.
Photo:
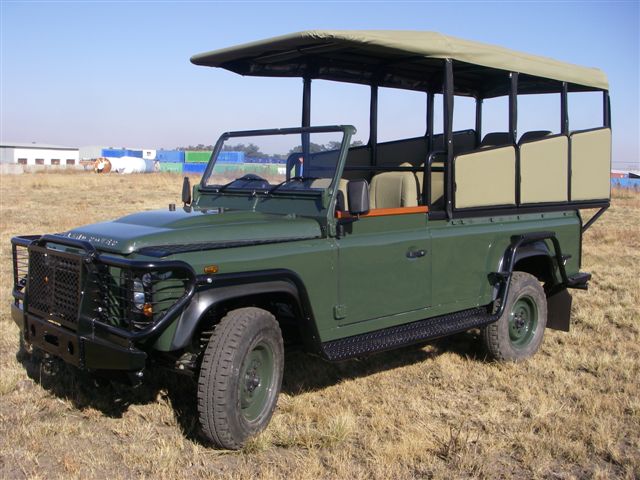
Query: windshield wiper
[{"x": 292, "y": 179}]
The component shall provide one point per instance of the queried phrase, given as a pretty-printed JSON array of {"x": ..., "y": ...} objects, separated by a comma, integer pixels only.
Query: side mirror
[
  {"x": 358, "y": 196},
  {"x": 186, "y": 191}
]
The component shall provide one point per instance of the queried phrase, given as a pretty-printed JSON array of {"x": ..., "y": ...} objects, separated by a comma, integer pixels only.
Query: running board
[
  {"x": 407, "y": 334},
  {"x": 580, "y": 281}
]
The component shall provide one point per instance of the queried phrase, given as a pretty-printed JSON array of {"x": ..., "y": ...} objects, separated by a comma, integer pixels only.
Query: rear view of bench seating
[
  {"x": 544, "y": 170},
  {"x": 590, "y": 164},
  {"x": 485, "y": 177}
]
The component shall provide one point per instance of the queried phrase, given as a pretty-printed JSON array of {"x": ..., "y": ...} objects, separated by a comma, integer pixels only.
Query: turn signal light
[
  {"x": 211, "y": 269},
  {"x": 147, "y": 309}
]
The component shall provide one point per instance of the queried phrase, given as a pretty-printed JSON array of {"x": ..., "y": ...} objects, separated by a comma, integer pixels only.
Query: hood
[{"x": 162, "y": 227}]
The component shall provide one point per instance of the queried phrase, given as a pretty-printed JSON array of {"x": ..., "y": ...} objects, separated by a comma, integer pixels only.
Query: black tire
[
  {"x": 518, "y": 333},
  {"x": 238, "y": 385}
]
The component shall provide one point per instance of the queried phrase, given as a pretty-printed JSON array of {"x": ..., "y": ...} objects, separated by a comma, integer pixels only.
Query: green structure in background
[
  {"x": 197, "y": 157},
  {"x": 174, "y": 167}
]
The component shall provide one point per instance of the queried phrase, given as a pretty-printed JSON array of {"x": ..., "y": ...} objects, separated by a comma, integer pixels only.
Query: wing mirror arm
[{"x": 186, "y": 192}]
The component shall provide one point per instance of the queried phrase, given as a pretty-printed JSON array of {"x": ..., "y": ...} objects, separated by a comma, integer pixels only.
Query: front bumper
[
  {"x": 76, "y": 314},
  {"x": 87, "y": 352}
]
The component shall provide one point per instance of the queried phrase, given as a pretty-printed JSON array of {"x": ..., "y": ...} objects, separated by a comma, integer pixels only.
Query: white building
[
  {"x": 148, "y": 154},
  {"x": 93, "y": 152},
  {"x": 90, "y": 152},
  {"x": 38, "y": 154}
]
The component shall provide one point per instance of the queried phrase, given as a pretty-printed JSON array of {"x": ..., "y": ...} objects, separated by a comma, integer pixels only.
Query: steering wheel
[{"x": 252, "y": 177}]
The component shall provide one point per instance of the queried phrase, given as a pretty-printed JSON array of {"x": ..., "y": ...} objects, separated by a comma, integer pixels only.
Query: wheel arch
[
  {"x": 536, "y": 259},
  {"x": 531, "y": 254},
  {"x": 228, "y": 291}
]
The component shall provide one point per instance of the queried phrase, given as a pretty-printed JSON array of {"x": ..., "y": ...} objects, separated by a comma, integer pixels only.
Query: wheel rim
[
  {"x": 523, "y": 322},
  {"x": 256, "y": 381}
]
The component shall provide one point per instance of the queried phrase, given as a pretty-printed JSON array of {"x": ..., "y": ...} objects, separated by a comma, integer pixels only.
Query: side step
[
  {"x": 579, "y": 280},
  {"x": 407, "y": 334}
]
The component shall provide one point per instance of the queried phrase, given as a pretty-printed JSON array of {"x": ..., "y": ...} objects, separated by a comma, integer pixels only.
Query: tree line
[{"x": 252, "y": 150}]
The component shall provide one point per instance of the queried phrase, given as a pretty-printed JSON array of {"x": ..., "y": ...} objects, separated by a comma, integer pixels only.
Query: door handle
[{"x": 416, "y": 253}]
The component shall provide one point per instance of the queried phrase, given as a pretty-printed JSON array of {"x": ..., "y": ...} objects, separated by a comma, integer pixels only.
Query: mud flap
[{"x": 559, "y": 310}]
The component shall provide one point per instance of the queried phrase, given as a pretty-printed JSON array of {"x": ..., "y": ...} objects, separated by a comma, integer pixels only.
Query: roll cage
[{"x": 437, "y": 64}]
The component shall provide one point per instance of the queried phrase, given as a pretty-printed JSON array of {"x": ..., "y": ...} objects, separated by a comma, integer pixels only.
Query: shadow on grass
[
  {"x": 302, "y": 373},
  {"x": 114, "y": 398},
  {"x": 305, "y": 373}
]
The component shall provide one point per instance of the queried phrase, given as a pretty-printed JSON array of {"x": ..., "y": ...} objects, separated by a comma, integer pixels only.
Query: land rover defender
[{"x": 346, "y": 248}]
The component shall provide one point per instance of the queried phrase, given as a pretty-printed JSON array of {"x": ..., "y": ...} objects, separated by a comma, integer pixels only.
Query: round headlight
[{"x": 138, "y": 294}]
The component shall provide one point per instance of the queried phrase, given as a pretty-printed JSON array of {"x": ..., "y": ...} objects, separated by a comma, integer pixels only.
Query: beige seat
[
  {"x": 342, "y": 188},
  {"x": 437, "y": 182},
  {"x": 342, "y": 191},
  {"x": 394, "y": 189}
]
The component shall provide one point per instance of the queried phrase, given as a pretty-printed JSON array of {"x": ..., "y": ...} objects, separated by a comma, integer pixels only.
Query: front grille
[
  {"x": 54, "y": 285},
  {"x": 64, "y": 287}
]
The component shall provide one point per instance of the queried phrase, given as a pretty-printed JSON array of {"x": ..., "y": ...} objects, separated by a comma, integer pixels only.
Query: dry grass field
[{"x": 437, "y": 411}]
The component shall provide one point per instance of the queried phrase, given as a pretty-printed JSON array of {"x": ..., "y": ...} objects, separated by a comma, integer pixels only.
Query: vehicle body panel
[{"x": 365, "y": 271}]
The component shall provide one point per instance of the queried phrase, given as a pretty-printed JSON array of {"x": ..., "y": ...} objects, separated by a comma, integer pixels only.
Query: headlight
[{"x": 141, "y": 295}]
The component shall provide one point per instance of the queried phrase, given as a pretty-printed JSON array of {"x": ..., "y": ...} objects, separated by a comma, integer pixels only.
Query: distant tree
[
  {"x": 198, "y": 148},
  {"x": 250, "y": 150},
  {"x": 333, "y": 145},
  {"x": 315, "y": 147}
]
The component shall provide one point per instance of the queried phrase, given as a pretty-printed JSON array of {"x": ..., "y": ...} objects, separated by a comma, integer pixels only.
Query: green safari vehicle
[{"x": 344, "y": 248}]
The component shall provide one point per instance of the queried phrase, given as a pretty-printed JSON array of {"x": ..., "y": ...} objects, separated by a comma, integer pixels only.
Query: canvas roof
[{"x": 401, "y": 59}]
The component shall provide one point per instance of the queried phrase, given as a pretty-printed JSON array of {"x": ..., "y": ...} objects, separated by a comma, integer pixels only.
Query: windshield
[{"x": 273, "y": 161}]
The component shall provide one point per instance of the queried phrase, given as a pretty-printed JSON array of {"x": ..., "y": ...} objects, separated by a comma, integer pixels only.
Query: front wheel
[
  {"x": 240, "y": 377},
  {"x": 518, "y": 333}
]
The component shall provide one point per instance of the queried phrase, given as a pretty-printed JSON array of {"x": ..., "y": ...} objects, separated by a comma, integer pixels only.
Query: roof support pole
[
  {"x": 430, "y": 109},
  {"x": 478, "y": 121},
  {"x": 606, "y": 109},
  {"x": 306, "y": 102},
  {"x": 306, "y": 119},
  {"x": 564, "y": 129},
  {"x": 513, "y": 128},
  {"x": 564, "y": 109},
  {"x": 513, "y": 108},
  {"x": 373, "y": 125},
  {"x": 448, "y": 136},
  {"x": 426, "y": 185}
]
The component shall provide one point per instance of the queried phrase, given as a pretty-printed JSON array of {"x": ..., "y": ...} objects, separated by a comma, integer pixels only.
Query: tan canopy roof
[{"x": 402, "y": 59}]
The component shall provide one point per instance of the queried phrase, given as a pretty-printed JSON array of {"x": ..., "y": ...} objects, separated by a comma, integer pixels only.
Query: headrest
[
  {"x": 392, "y": 164},
  {"x": 533, "y": 135},
  {"x": 495, "y": 139}
]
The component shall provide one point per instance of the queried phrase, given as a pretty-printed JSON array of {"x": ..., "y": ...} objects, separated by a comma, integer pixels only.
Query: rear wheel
[
  {"x": 518, "y": 333},
  {"x": 240, "y": 377}
]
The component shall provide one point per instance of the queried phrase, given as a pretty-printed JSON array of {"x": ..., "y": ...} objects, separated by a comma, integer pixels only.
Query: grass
[{"x": 438, "y": 411}]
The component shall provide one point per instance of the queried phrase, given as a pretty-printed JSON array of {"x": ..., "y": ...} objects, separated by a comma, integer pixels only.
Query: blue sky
[{"x": 118, "y": 73}]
